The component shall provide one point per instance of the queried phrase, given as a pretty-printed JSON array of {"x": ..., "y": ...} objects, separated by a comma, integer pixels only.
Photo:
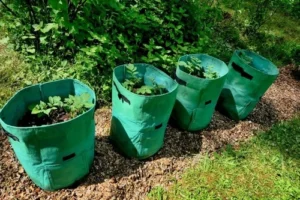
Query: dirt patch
[
  {"x": 55, "y": 116},
  {"x": 116, "y": 177}
]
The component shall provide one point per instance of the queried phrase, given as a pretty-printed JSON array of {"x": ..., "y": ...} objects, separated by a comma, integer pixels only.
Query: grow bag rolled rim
[
  {"x": 51, "y": 125},
  {"x": 153, "y": 67},
  {"x": 261, "y": 57},
  {"x": 196, "y": 77}
]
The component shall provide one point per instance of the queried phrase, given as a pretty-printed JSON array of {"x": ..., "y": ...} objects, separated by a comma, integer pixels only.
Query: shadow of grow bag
[
  {"x": 197, "y": 97},
  {"x": 54, "y": 156},
  {"x": 139, "y": 122},
  {"x": 246, "y": 84}
]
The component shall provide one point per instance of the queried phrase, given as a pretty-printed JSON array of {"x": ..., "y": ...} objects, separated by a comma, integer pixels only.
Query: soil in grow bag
[
  {"x": 250, "y": 75},
  {"x": 201, "y": 78},
  {"x": 54, "y": 155},
  {"x": 55, "y": 110},
  {"x": 140, "y": 118}
]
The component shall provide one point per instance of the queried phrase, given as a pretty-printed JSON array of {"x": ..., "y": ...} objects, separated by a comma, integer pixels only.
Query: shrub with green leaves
[{"x": 91, "y": 37}]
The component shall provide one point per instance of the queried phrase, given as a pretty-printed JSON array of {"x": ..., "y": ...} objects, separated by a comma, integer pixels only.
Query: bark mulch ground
[{"x": 115, "y": 177}]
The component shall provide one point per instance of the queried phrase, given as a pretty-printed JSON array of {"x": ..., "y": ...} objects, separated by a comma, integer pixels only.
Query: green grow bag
[
  {"x": 197, "y": 97},
  {"x": 139, "y": 122},
  {"x": 54, "y": 156},
  {"x": 245, "y": 84}
]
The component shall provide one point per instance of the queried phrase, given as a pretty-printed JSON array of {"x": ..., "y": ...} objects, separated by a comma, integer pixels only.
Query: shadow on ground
[
  {"x": 285, "y": 137},
  {"x": 110, "y": 163},
  {"x": 264, "y": 113}
]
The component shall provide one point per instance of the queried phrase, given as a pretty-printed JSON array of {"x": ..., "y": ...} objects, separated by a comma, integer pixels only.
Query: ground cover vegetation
[{"x": 263, "y": 168}]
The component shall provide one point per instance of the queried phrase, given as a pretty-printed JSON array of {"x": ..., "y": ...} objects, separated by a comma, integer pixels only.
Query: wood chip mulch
[{"x": 115, "y": 177}]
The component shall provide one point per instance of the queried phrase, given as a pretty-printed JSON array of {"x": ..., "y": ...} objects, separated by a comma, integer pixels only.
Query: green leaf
[
  {"x": 4, "y": 40},
  {"x": 85, "y": 97},
  {"x": 30, "y": 50},
  {"x": 49, "y": 27},
  {"x": 35, "y": 110},
  {"x": 88, "y": 105},
  {"x": 51, "y": 100},
  {"x": 37, "y": 27},
  {"x": 182, "y": 63},
  {"x": 47, "y": 111},
  {"x": 43, "y": 40},
  {"x": 31, "y": 107},
  {"x": 42, "y": 104},
  {"x": 64, "y": 63}
]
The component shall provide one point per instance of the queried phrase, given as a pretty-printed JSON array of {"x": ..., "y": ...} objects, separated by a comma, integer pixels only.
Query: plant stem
[
  {"x": 33, "y": 20},
  {"x": 79, "y": 5}
]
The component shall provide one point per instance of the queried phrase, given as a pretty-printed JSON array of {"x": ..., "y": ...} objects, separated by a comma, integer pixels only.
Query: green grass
[
  {"x": 283, "y": 26},
  {"x": 268, "y": 167},
  {"x": 278, "y": 39}
]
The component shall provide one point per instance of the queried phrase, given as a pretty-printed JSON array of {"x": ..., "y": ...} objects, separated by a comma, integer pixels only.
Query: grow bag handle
[
  {"x": 15, "y": 138},
  {"x": 121, "y": 96},
  {"x": 239, "y": 69}
]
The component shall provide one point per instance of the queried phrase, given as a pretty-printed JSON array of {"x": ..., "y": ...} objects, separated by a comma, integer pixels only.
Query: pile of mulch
[{"x": 115, "y": 177}]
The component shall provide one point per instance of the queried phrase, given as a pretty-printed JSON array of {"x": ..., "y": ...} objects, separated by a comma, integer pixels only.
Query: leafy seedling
[
  {"x": 210, "y": 73},
  {"x": 193, "y": 66},
  {"x": 55, "y": 102},
  {"x": 247, "y": 59},
  {"x": 145, "y": 90},
  {"x": 41, "y": 109},
  {"x": 135, "y": 84},
  {"x": 76, "y": 105},
  {"x": 132, "y": 81}
]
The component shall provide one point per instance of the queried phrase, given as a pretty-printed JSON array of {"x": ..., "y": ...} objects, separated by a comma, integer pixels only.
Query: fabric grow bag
[
  {"x": 197, "y": 97},
  {"x": 54, "y": 156},
  {"x": 245, "y": 84},
  {"x": 139, "y": 122}
]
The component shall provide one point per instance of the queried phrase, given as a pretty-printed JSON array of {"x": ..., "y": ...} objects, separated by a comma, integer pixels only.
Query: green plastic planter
[
  {"x": 139, "y": 122},
  {"x": 246, "y": 84},
  {"x": 197, "y": 97},
  {"x": 54, "y": 156}
]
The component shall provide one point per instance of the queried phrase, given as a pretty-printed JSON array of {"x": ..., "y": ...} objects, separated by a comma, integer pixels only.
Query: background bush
[{"x": 86, "y": 39}]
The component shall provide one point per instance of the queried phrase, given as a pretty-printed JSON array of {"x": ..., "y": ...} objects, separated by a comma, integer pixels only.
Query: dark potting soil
[{"x": 55, "y": 116}]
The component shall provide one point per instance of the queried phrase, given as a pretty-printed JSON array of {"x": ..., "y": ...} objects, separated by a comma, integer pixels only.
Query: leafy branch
[{"x": 33, "y": 20}]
